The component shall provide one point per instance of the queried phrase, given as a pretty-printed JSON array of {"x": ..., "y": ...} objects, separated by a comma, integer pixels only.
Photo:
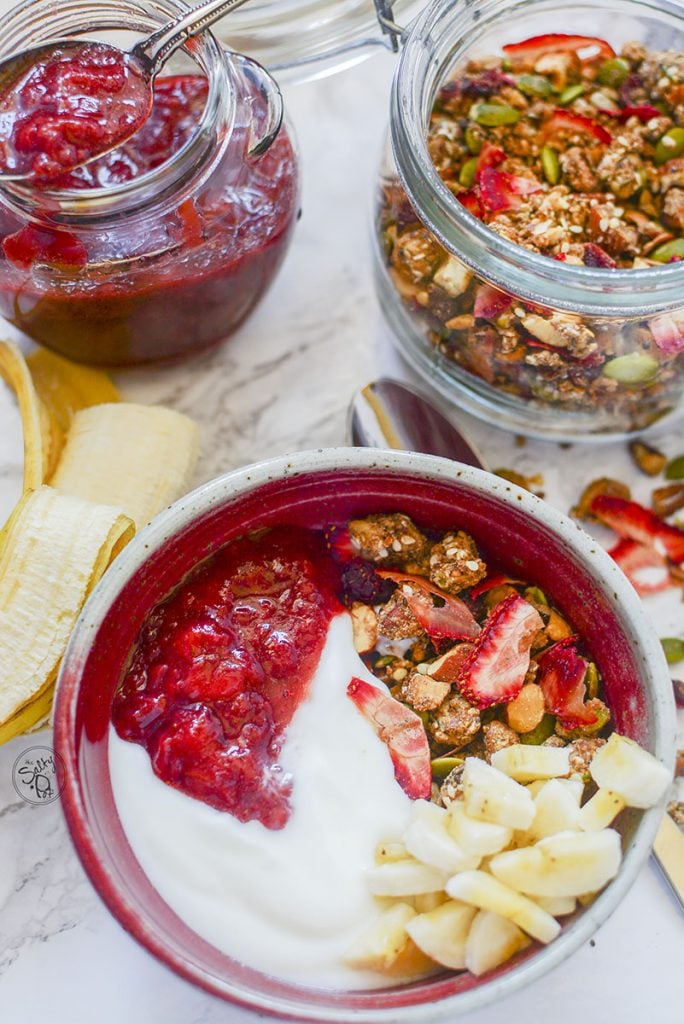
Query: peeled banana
[
  {"x": 55, "y": 549},
  {"x": 94, "y": 469},
  {"x": 137, "y": 457}
]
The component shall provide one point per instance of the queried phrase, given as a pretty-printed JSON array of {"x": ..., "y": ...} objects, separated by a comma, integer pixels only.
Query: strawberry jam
[
  {"x": 221, "y": 667},
  {"x": 78, "y": 101},
  {"x": 171, "y": 266}
]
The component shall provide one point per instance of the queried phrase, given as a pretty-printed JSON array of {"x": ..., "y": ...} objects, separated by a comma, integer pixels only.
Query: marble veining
[{"x": 281, "y": 384}]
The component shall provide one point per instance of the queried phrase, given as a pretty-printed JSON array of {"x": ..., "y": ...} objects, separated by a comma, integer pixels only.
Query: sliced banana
[
  {"x": 567, "y": 864},
  {"x": 442, "y": 933},
  {"x": 492, "y": 941},
  {"x": 54, "y": 551},
  {"x": 489, "y": 893},
  {"x": 120, "y": 465},
  {"x": 137, "y": 457}
]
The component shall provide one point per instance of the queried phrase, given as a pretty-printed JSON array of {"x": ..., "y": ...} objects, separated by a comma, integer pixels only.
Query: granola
[
  {"x": 577, "y": 154},
  {"x": 485, "y": 660}
]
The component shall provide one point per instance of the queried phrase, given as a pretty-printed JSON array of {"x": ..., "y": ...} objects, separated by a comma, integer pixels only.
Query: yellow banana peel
[
  {"x": 94, "y": 468},
  {"x": 42, "y": 438},
  {"x": 55, "y": 549},
  {"x": 65, "y": 387}
]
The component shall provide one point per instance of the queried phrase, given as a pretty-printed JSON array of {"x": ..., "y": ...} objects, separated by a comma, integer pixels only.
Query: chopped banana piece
[
  {"x": 390, "y": 852},
  {"x": 428, "y": 840},
  {"x": 428, "y": 901},
  {"x": 442, "y": 933},
  {"x": 386, "y": 946},
  {"x": 489, "y": 795},
  {"x": 600, "y": 811},
  {"x": 404, "y": 878},
  {"x": 624, "y": 767},
  {"x": 55, "y": 549},
  {"x": 556, "y": 810},
  {"x": 139, "y": 458},
  {"x": 567, "y": 864},
  {"x": 527, "y": 763},
  {"x": 492, "y": 941},
  {"x": 557, "y": 906},
  {"x": 488, "y": 893},
  {"x": 480, "y": 838}
]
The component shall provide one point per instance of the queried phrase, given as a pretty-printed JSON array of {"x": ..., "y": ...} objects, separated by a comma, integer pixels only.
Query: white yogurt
[{"x": 288, "y": 902}]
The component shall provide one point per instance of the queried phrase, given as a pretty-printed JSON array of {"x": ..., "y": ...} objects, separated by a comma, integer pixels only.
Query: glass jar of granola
[{"x": 529, "y": 227}]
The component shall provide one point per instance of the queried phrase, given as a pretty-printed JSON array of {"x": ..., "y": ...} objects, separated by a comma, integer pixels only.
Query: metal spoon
[
  {"x": 389, "y": 414},
  {"x": 144, "y": 61}
]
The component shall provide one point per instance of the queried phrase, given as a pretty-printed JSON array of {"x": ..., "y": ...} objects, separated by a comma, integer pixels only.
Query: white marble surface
[{"x": 283, "y": 383}]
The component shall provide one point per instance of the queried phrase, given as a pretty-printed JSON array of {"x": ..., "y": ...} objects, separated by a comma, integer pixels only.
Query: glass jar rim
[
  {"x": 78, "y": 17},
  {"x": 537, "y": 278}
]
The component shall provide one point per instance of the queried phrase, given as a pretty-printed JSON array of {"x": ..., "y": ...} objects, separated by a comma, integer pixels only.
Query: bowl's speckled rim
[{"x": 601, "y": 567}]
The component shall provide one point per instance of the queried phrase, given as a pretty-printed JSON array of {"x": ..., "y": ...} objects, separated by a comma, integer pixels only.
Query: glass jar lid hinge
[{"x": 390, "y": 29}]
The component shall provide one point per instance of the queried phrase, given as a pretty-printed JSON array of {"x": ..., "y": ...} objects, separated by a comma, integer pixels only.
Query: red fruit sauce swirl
[
  {"x": 222, "y": 665},
  {"x": 73, "y": 104}
]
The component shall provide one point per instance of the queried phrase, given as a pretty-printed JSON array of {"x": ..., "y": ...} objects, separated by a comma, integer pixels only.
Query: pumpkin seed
[
  {"x": 467, "y": 174},
  {"x": 635, "y": 368},
  {"x": 492, "y": 115},
  {"x": 534, "y": 85},
  {"x": 441, "y": 766},
  {"x": 664, "y": 253},
  {"x": 473, "y": 140},
  {"x": 670, "y": 146},
  {"x": 613, "y": 72},
  {"x": 570, "y": 94},
  {"x": 550, "y": 165},
  {"x": 673, "y": 648},
  {"x": 675, "y": 469}
]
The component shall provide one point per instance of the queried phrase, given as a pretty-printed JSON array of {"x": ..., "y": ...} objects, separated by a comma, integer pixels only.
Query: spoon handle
[{"x": 155, "y": 49}]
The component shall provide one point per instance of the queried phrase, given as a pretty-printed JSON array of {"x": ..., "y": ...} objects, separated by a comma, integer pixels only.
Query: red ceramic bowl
[{"x": 522, "y": 534}]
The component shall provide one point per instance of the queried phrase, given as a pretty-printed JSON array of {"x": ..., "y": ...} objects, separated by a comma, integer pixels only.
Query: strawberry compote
[
  {"x": 175, "y": 265},
  {"x": 221, "y": 667},
  {"x": 76, "y": 102}
]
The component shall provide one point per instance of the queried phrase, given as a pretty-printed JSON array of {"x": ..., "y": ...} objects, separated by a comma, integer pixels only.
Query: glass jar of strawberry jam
[{"x": 162, "y": 247}]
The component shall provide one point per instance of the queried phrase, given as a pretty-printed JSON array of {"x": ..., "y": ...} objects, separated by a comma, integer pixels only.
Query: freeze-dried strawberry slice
[
  {"x": 495, "y": 579},
  {"x": 561, "y": 676},
  {"x": 490, "y": 302},
  {"x": 472, "y": 201},
  {"x": 496, "y": 669},
  {"x": 633, "y": 558},
  {"x": 635, "y": 522},
  {"x": 402, "y": 731},
  {"x": 503, "y": 191},
  {"x": 668, "y": 332},
  {"x": 645, "y": 113},
  {"x": 569, "y": 121},
  {"x": 490, "y": 156},
  {"x": 453, "y": 620},
  {"x": 558, "y": 42},
  {"x": 595, "y": 256}
]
